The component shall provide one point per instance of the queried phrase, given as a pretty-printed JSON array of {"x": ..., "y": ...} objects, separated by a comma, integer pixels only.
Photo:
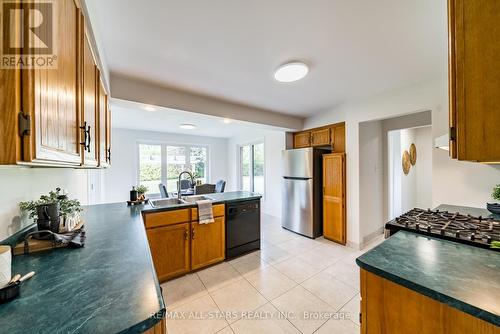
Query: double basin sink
[{"x": 166, "y": 202}]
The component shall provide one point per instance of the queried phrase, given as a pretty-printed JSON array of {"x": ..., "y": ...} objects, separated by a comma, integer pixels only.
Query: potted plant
[
  {"x": 49, "y": 210},
  {"x": 495, "y": 207},
  {"x": 141, "y": 191}
]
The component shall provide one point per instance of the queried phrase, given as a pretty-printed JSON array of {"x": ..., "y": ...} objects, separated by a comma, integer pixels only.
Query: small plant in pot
[
  {"x": 141, "y": 191},
  {"x": 495, "y": 207},
  {"x": 49, "y": 209}
]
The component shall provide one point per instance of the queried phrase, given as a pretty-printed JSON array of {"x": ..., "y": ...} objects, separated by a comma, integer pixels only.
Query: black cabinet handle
[
  {"x": 109, "y": 155},
  {"x": 90, "y": 139},
  {"x": 86, "y": 136}
]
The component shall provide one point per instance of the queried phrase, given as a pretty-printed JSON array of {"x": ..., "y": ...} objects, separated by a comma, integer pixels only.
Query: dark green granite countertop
[
  {"x": 465, "y": 210},
  {"x": 461, "y": 276},
  {"x": 219, "y": 198},
  {"x": 109, "y": 286}
]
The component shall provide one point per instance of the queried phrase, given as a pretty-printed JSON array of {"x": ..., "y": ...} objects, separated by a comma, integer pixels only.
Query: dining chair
[
  {"x": 163, "y": 191},
  {"x": 206, "y": 188},
  {"x": 220, "y": 186}
]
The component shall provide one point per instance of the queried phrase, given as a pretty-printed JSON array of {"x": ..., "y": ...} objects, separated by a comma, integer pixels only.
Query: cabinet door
[
  {"x": 320, "y": 137},
  {"x": 90, "y": 114},
  {"x": 10, "y": 106},
  {"x": 207, "y": 243},
  {"x": 334, "y": 182},
  {"x": 170, "y": 250},
  {"x": 108, "y": 134},
  {"x": 50, "y": 96},
  {"x": 338, "y": 138},
  {"x": 301, "y": 139},
  {"x": 474, "y": 79},
  {"x": 102, "y": 127}
]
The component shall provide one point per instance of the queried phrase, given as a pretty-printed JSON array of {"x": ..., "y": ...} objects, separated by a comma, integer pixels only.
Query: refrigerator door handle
[{"x": 297, "y": 178}]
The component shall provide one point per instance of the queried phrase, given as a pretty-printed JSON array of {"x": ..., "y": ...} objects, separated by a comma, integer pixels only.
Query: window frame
[
  {"x": 240, "y": 164},
  {"x": 164, "y": 164}
]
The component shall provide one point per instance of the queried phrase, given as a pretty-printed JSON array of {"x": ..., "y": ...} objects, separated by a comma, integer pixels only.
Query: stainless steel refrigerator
[{"x": 302, "y": 191}]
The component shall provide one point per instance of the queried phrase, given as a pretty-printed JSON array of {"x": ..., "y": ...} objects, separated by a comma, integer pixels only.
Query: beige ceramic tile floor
[{"x": 292, "y": 285}]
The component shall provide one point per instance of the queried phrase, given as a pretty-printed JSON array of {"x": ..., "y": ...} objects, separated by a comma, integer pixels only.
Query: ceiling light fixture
[
  {"x": 149, "y": 108},
  {"x": 187, "y": 126},
  {"x": 290, "y": 72},
  {"x": 227, "y": 121}
]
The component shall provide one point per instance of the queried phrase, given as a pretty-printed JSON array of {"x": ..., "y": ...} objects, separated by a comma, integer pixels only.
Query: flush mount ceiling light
[
  {"x": 290, "y": 72},
  {"x": 149, "y": 108},
  {"x": 187, "y": 126}
]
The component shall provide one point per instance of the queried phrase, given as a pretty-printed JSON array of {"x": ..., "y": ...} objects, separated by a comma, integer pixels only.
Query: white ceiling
[
  {"x": 230, "y": 48},
  {"x": 132, "y": 115}
]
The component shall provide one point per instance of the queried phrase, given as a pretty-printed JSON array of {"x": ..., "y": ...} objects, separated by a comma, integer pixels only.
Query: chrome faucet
[{"x": 179, "y": 183}]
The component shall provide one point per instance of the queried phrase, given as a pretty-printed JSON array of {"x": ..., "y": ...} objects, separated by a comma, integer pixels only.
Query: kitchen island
[
  {"x": 109, "y": 286},
  {"x": 413, "y": 283}
]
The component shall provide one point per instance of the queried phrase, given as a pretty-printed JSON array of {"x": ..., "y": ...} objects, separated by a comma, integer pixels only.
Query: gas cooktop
[{"x": 476, "y": 231}]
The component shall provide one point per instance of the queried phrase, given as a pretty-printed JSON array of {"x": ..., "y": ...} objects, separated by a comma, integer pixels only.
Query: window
[
  {"x": 252, "y": 168},
  {"x": 162, "y": 163}
]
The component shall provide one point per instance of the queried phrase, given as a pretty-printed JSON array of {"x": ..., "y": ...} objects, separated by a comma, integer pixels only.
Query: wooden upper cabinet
[
  {"x": 207, "y": 243},
  {"x": 474, "y": 79},
  {"x": 334, "y": 188},
  {"x": 108, "y": 134},
  {"x": 90, "y": 105},
  {"x": 103, "y": 125},
  {"x": 10, "y": 107},
  {"x": 169, "y": 247},
  {"x": 338, "y": 138},
  {"x": 50, "y": 96},
  {"x": 320, "y": 137},
  {"x": 302, "y": 139}
]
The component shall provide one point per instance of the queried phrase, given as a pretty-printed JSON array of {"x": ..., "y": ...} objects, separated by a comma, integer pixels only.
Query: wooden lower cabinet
[
  {"x": 390, "y": 308},
  {"x": 179, "y": 243},
  {"x": 159, "y": 328},
  {"x": 170, "y": 249},
  {"x": 207, "y": 243},
  {"x": 334, "y": 188}
]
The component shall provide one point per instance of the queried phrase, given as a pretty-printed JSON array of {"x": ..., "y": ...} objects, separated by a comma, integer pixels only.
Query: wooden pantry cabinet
[
  {"x": 334, "y": 196},
  {"x": 179, "y": 244},
  {"x": 474, "y": 79},
  {"x": 51, "y": 117}
]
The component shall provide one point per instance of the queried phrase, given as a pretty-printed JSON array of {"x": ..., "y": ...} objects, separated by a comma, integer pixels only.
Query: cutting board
[{"x": 40, "y": 245}]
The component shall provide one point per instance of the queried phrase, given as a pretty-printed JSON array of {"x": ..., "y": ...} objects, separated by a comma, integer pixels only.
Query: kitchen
[{"x": 133, "y": 94}]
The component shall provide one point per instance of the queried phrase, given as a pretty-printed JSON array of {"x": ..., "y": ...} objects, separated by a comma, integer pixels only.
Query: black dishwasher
[{"x": 242, "y": 227}]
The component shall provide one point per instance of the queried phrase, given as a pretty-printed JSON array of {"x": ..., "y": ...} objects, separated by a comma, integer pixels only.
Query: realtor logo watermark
[{"x": 28, "y": 34}]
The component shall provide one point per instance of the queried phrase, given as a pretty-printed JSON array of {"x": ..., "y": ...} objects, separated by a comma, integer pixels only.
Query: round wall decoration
[
  {"x": 406, "y": 162},
  {"x": 413, "y": 154}
]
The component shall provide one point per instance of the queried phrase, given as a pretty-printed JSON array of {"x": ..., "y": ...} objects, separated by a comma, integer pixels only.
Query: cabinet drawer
[
  {"x": 218, "y": 210},
  {"x": 157, "y": 219}
]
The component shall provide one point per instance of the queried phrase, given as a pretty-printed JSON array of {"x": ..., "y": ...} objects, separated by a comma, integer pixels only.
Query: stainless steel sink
[
  {"x": 192, "y": 199},
  {"x": 164, "y": 202}
]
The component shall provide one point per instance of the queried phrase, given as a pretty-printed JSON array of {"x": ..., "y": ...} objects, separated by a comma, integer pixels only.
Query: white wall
[
  {"x": 274, "y": 143},
  {"x": 371, "y": 172},
  {"x": 415, "y": 189},
  {"x": 122, "y": 175},
  {"x": 424, "y": 143},
  {"x": 23, "y": 184},
  {"x": 454, "y": 182}
]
